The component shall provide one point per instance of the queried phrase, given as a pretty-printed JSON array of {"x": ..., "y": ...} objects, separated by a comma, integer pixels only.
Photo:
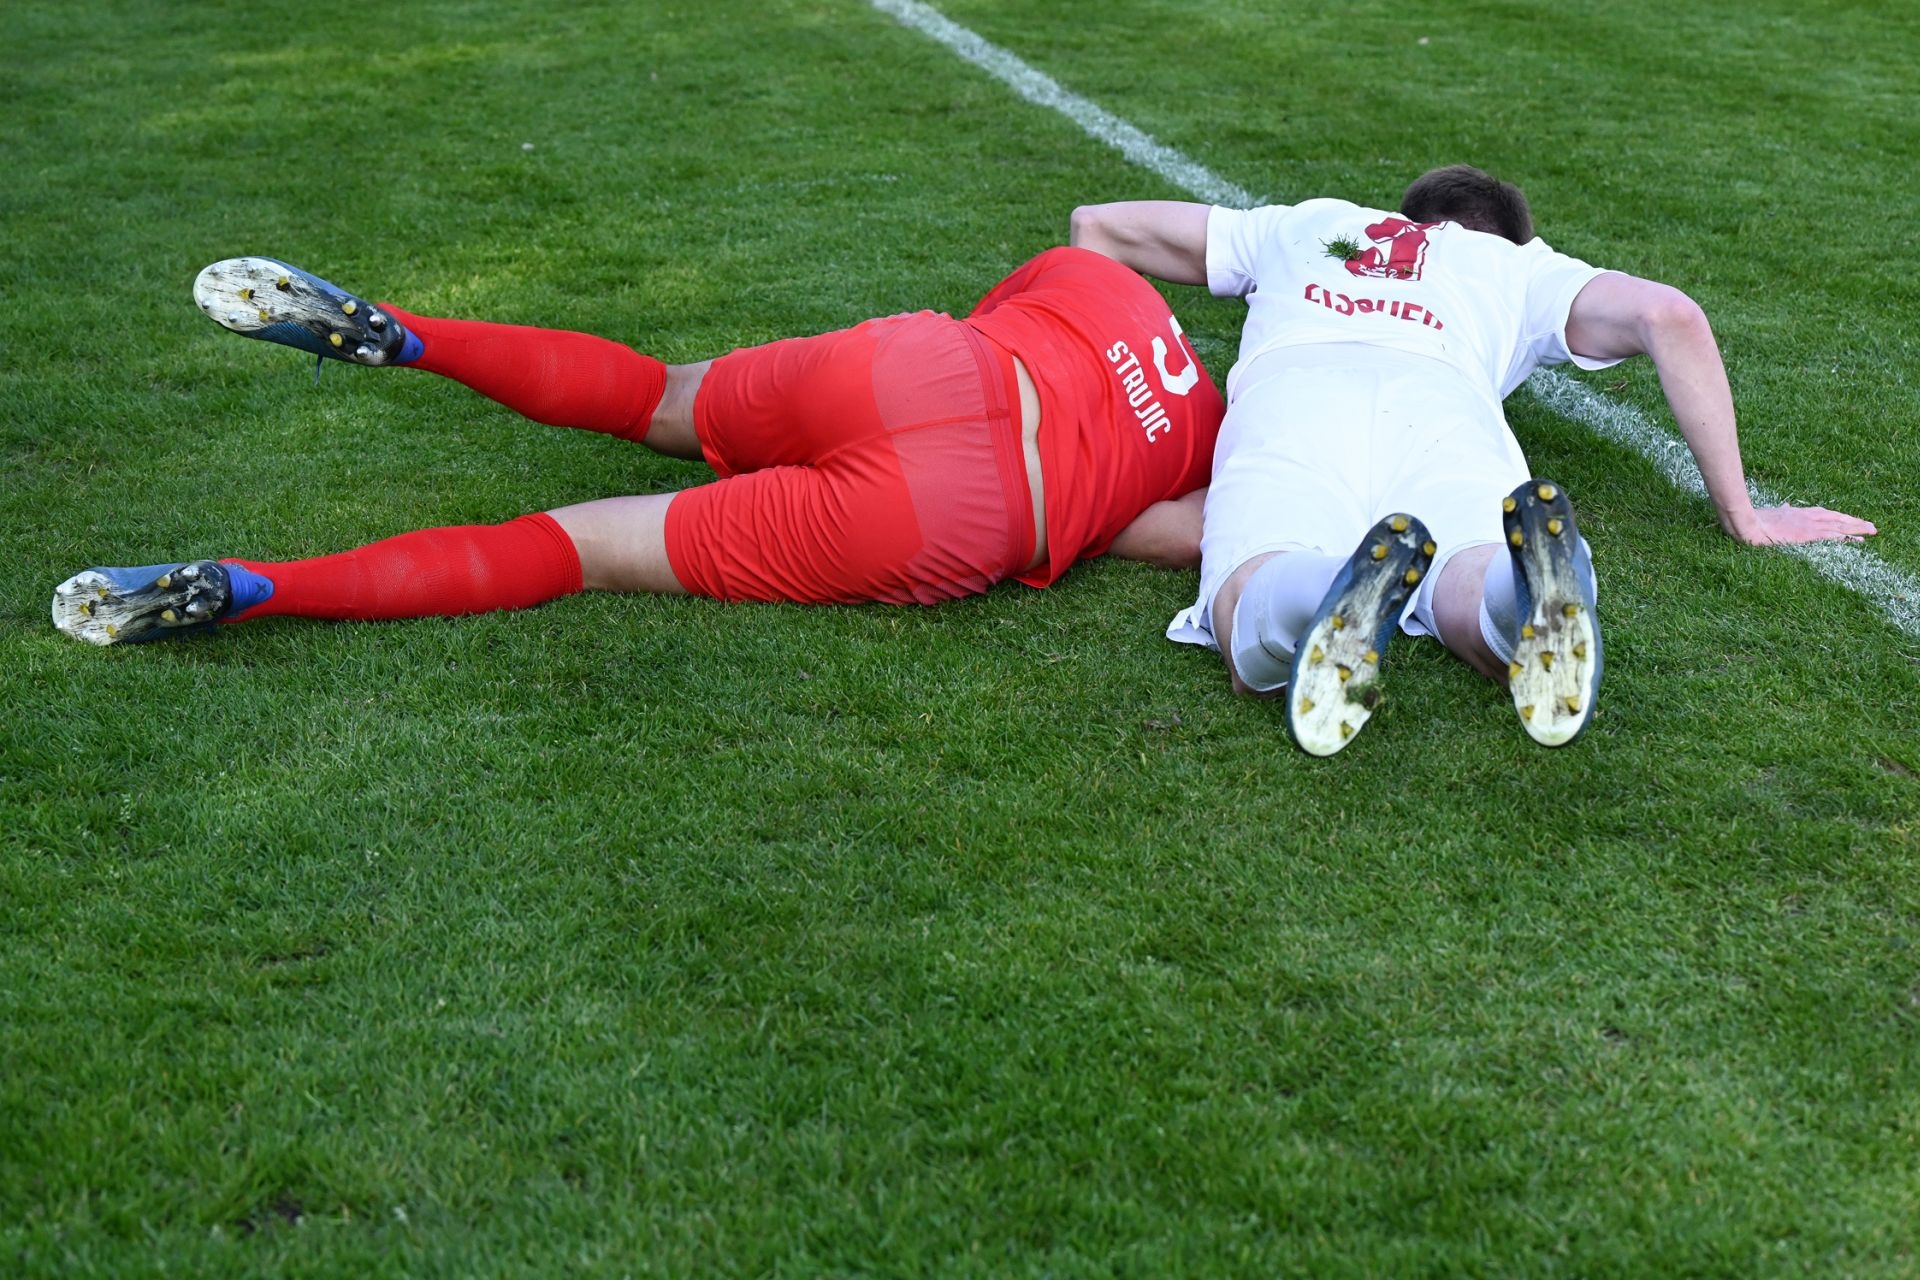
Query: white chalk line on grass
[
  {"x": 1043, "y": 90},
  {"x": 1897, "y": 594}
]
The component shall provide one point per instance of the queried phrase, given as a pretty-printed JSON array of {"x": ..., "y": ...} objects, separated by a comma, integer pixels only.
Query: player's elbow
[
  {"x": 1165, "y": 534},
  {"x": 1670, "y": 318},
  {"x": 1156, "y": 547},
  {"x": 1180, "y": 548},
  {"x": 1089, "y": 228},
  {"x": 1108, "y": 231}
]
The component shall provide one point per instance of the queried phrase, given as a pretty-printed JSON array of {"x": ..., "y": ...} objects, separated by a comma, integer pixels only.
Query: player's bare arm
[
  {"x": 1166, "y": 533},
  {"x": 1618, "y": 315},
  {"x": 1166, "y": 239}
]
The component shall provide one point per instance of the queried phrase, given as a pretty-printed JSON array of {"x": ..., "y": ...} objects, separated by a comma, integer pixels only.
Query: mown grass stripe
[{"x": 1897, "y": 594}]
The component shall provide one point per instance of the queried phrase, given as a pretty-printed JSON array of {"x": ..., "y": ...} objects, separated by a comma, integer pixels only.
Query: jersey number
[{"x": 1181, "y": 383}]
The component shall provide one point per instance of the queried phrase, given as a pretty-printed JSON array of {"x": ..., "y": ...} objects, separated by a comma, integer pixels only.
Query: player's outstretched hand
[{"x": 1785, "y": 524}]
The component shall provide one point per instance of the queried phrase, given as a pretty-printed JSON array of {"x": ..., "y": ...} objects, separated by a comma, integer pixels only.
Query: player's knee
[
  {"x": 672, "y": 430},
  {"x": 622, "y": 543}
]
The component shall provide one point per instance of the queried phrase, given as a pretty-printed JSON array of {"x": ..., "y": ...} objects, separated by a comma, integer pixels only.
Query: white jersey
[
  {"x": 1373, "y": 362},
  {"x": 1331, "y": 271}
]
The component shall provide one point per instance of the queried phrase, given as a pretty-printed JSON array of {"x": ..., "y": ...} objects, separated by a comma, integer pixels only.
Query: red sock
[
  {"x": 470, "y": 568},
  {"x": 555, "y": 376}
]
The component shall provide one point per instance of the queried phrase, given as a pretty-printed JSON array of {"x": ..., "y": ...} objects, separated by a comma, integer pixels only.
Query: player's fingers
[
  {"x": 1791, "y": 524},
  {"x": 1839, "y": 523},
  {"x": 1854, "y": 523}
]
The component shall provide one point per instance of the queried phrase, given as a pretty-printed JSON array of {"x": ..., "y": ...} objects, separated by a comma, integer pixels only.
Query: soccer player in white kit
[{"x": 1365, "y": 477}]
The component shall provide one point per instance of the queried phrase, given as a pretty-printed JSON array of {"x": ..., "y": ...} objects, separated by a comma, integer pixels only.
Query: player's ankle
[{"x": 248, "y": 587}]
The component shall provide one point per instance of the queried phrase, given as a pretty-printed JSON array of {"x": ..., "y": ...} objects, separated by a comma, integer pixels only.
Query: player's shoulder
[
  {"x": 1312, "y": 216},
  {"x": 1538, "y": 255},
  {"x": 1331, "y": 208},
  {"x": 1489, "y": 248}
]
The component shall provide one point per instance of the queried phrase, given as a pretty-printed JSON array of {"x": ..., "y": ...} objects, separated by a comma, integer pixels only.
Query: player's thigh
[
  {"x": 861, "y": 531},
  {"x": 1273, "y": 498},
  {"x": 799, "y": 401},
  {"x": 671, "y": 431}
]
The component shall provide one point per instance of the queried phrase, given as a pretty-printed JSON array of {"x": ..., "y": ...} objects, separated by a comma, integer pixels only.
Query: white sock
[
  {"x": 1500, "y": 605},
  {"x": 1278, "y": 603}
]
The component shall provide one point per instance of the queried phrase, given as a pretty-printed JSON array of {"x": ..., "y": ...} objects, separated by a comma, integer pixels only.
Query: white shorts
[{"x": 1319, "y": 444}]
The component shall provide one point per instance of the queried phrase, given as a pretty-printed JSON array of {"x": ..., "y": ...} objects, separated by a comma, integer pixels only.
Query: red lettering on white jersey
[{"x": 1341, "y": 304}]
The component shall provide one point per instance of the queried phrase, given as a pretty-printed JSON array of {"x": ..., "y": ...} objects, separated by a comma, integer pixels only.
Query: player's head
[{"x": 1463, "y": 194}]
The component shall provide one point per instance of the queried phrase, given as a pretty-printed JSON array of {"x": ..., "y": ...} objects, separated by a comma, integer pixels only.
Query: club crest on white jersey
[{"x": 1406, "y": 250}]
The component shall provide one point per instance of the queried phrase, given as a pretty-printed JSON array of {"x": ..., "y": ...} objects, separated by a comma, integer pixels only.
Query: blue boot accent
[{"x": 246, "y": 588}]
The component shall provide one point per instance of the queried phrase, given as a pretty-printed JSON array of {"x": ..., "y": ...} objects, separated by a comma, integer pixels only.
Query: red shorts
[{"x": 879, "y": 463}]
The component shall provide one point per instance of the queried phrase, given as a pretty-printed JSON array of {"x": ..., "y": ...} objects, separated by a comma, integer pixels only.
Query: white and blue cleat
[
  {"x": 126, "y": 606},
  {"x": 153, "y": 602},
  {"x": 1333, "y": 687},
  {"x": 273, "y": 301},
  {"x": 1554, "y": 676}
]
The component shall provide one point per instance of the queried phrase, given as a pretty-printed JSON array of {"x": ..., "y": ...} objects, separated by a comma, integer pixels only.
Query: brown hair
[{"x": 1474, "y": 199}]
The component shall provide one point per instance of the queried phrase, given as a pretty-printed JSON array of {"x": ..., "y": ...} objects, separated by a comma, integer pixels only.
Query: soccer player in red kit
[{"x": 910, "y": 459}]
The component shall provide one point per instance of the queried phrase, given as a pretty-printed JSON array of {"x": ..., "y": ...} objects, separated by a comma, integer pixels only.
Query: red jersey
[{"x": 1128, "y": 415}]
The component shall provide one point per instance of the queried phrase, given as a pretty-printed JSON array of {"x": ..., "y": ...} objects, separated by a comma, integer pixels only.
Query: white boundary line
[
  {"x": 1043, "y": 90},
  {"x": 1896, "y": 593}
]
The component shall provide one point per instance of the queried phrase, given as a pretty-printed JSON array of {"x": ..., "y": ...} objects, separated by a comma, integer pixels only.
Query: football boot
[
  {"x": 1555, "y": 673},
  {"x": 127, "y": 606},
  {"x": 270, "y": 300},
  {"x": 1334, "y": 685}
]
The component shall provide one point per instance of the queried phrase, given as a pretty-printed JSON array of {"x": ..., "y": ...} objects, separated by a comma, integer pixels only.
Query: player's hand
[{"x": 1789, "y": 524}]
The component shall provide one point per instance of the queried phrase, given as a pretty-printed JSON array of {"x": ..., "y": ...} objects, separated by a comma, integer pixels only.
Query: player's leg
[
  {"x": 552, "y": 376},
  {"x": 614, "y": 544},
  {"x": 1522, "y": 612},
  {"x": 1469, "y": 580},
  {"x": 1318, "y": 626},
  {"x": 426, "y": 573},
  {"x": 622, "y": 542},
  {"x": 859, "y": 532},
  {"x": 566, "y": 379},
  {"x": 1301, "y": 584},
  {"x": 1461, "y": 468},
  {"x": 1257, "y": 630}
]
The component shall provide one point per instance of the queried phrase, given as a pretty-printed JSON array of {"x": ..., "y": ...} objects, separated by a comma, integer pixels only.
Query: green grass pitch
[{"x": 641, "y": 937}]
